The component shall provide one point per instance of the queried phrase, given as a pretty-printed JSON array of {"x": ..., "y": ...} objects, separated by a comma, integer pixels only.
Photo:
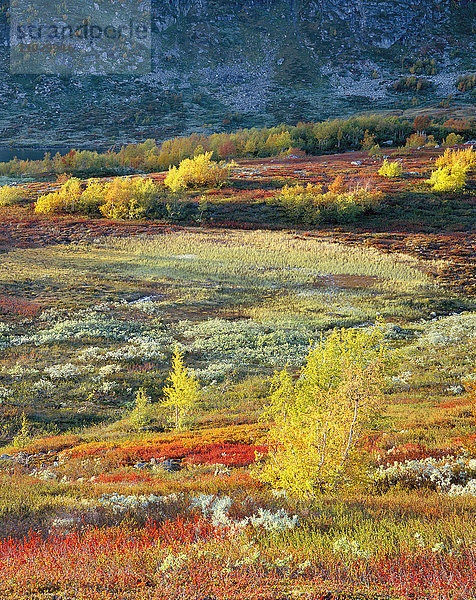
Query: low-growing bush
[
  {"x": 198, "y": 171},
  {"x": 416, "y": 140},
  {"x": 129, "y": 198},
  {"x": 452, "y": 475},
  {"x": 375, "y": 151},
  {"x": 420, "y": 140},
  {"x": 310, "y": 205},
  {"x": 120, "y": 199},
  {"x": 466, "y": 157},
  {"x": 92, "y": 198},
  {"x": 449, "y": 179},
  {"x": 233, "y": 445},
  {"x": 453, "y": 139},
  {"x": 66, "y": 199},
  {"x": 141, "y": 415},
  {"x": 390, "y": 169},
  {"x": 10, "y": 194}
]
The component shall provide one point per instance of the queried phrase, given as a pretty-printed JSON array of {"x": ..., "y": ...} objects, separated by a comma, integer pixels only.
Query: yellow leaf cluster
[
  {"x": 9, "y": 194},
  {"x": 64, "y": 200},
  {"x": 465, "y": 157},
  {"x": 390, "y": 169},
  {"x": 317, "y": 422},
  {"x": 199, "y": 171},
  {"x": 182, "y": 394}
]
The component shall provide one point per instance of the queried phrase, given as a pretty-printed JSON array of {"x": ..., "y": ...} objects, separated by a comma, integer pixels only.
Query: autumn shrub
[
  {"x": 338, "y": 185},
  {"x": 129, "y": 198},
  {"x": 453, "y": 139},
  {"x": 466, "y": 82},
  {"x": 232, "y": 455},
  {"x": 10, "y": 194},
  {"x": 457, "y": 125},
  {"x": 308, "y": 204},
  {"x": 66, "y": 199},
  {"x": 368, "y": 141},
  {"x": 190, "y": 557},
  {"x": 449, "y": 179},
  {"x": 50, "y": 203},
  {"x": 465, "y": 157},
  {"x": 19, "y": 306},
  {"x": 412, "y": 83},
  {"x": 125, "y": 476},
  {"x": 420, "y": 140},
  {"x": 196, "y": 452},
  {"x": 390, "y": 169},
  {"x": 171, "y": 445},
  {"x": 421, "y": 66},
  {"x": 316, "y": 423},
  {"x": 182, "y": 394},
  {"x": 92, "y": 198},
  {"x": 51, "y": 444},
  {"x": 375, "y": 151},
  {"x": 23, "y": 436},
  {"x": 141, "y": 415},
  {"x": 119, "y": 199},
  {"x": 197, "y": 172},
  {"x": 416, "y": 140}
]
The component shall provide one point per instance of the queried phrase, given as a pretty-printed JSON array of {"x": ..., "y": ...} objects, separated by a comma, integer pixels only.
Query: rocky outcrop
[{"x": 232, "y": 63}]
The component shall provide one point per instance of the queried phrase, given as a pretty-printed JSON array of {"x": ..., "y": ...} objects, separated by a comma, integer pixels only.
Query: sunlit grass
[
  {"x": 263, "y": 273},
  {"x": 258, "y": 258}
]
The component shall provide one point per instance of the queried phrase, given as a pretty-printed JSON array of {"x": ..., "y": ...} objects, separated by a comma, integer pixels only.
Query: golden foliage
[
  {"x": 183, "y": 393},
  {"x": 198, "y": 172},
  {"x": 453, "y": 167},
  {"x": 309, "y": 204},
  {"x": 465, "y": 157},
  {"x": 64, "y": 200},
  {"x": 10, "y": 194},
  {"x": 141, "y": 415},
  {"x": 129, "y": 198},
  {"x": 317, "y": 423},
  {"x": 390, "y": 169}
]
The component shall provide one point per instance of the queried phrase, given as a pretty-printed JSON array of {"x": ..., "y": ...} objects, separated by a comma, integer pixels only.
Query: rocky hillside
[{"x": 224, "y": 64}]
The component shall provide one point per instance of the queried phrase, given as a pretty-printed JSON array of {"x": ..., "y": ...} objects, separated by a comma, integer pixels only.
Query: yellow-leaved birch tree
[
  {"x": 182, "y": 394},
  {"x": 316, "y": 423}
]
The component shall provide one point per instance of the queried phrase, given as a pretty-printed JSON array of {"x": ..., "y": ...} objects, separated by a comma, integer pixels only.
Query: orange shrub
[
  {"x": 54, "y": 443},
  {"x": 234, "y": 441}
]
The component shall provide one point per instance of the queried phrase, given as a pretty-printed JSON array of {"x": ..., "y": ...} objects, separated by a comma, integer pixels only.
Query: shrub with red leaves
[
  {"x": 412, "y": 451},
  {"x": 232, "y": 455},
  {"x": 10, "y": 305}
]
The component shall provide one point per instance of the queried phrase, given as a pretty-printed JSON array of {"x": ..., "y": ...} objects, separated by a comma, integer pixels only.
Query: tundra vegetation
[
  {"x": 390, "y": 169},
  {"x": 336, "y": 135},
  {"x": 226, "y": 402}
]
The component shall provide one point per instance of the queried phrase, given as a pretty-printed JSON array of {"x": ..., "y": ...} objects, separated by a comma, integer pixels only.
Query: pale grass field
[{"x": 265, "y": 275}]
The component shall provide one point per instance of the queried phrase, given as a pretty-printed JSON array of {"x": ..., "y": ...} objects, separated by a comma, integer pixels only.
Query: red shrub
[
  {"x": 15, "y": 306},
  {"x": 122, "y": 562},
  {"x": 233, "y": 455},
  {"x": 412, "y": 451},
  {"x": 136, "y": 477}
]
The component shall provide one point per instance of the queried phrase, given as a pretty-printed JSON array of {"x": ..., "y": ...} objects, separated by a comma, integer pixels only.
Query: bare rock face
[
  {"x": 377, "y": 23},
  {"x": 242, "y": 63}
]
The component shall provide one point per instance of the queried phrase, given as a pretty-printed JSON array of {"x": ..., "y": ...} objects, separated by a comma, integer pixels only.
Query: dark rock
[{"x": 171, "y": 464}]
